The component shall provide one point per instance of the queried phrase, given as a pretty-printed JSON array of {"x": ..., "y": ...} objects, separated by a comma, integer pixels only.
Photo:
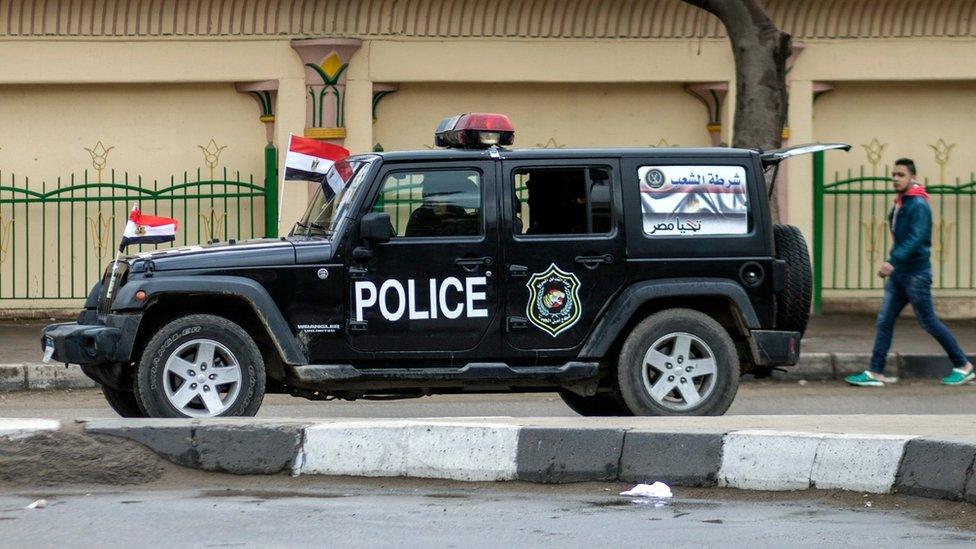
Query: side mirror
[{"x": 374, "y": 227}]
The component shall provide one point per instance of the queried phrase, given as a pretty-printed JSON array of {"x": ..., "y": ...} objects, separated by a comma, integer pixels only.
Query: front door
[
  {"x": 564, "y": 249},
  {"x": 432, "y": 287}
]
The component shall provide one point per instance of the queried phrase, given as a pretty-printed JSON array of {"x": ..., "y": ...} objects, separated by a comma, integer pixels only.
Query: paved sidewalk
[{"x": 848, "y": 333}]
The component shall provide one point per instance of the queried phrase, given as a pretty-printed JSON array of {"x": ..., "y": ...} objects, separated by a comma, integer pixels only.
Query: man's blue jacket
[{"x": 911, "y": 229}]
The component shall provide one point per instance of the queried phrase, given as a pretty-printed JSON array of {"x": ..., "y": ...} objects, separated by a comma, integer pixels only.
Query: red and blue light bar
[{"x": 475, "y": 130}]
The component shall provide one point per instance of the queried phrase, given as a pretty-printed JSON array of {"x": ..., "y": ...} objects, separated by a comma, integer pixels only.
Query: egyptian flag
[
  {"x": 148, "y": 229},
  {"x": 311, "y": 160}
]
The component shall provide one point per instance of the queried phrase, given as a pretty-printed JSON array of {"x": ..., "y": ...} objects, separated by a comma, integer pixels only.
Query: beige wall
[
  {"x": 155, "y": 129},
  {"x": 150, "y": 130},
  {"x": 908, "y": 118},
  {"x": 570, "y": 115}
]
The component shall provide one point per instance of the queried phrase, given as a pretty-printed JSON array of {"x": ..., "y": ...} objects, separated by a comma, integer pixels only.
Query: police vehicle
[{"x": 631, "y": 281}]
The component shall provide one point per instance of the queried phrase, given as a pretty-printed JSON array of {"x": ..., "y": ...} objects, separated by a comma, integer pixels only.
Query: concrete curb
[
  {"x": 940, "y": 469},
  {"x": 825, "y": 366},
  {"x": 485, "y": 451},
  {"x": 14, "y": 429},
  {"x": 39, "y": 376}
]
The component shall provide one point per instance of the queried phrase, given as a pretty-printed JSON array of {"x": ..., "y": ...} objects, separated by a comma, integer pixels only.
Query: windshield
[{"x": 333, "y": 197}]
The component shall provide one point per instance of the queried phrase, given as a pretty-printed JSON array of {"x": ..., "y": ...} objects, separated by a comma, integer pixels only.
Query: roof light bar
[{"x": 475, "y": 131}]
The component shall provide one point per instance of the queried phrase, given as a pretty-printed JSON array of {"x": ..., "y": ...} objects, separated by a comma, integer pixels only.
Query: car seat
[{"x": 447, "y": 197}]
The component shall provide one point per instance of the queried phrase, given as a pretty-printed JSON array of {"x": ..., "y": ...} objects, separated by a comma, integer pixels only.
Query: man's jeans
[{"x": 900, "y": 290}]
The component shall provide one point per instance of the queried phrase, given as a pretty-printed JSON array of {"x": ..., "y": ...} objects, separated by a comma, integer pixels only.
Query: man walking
[{"x": 909, "y": 280}]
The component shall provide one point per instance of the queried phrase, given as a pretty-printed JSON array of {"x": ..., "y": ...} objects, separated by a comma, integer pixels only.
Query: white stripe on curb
[
  {"x": 22, "y": 428},
  {"x": 768, "y": 460},
  {"x": 865, "y": 463},
  {"x": 457, "y": 451},
  {"x": 775, "y": 460}
]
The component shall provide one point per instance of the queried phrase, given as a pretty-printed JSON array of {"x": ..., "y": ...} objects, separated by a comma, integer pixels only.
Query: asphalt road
[
  {"x": 754, "y": 398},
  {"x": 284, "y": 512}
]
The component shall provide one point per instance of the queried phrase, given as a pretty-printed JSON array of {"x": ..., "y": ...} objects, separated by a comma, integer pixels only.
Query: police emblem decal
[
  {"x": 655, "y": 178},
  {"x": 553, "y": 304}
]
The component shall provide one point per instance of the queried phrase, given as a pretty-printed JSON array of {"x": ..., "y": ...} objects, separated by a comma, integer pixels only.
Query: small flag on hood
[
  {"x": 147, "y": 229},
  {"x": 311, "y": 160}
]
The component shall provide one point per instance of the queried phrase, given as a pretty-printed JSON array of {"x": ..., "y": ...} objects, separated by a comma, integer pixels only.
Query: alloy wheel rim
[
  {"x": 679, "y": 371},
  {"x": 202, "y": 378}
]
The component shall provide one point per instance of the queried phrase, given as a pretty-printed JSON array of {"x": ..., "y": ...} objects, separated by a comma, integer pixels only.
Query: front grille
[{"x": 121, "y": 274}]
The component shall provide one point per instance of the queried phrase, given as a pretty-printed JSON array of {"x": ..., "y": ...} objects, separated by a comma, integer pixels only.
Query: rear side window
[
  {"x": 694, "y": 200},
  {"x": 554, "y": 201}
]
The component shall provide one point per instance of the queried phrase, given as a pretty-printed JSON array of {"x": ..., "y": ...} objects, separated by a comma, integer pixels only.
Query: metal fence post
[
  {"x": 270, "y": 191},
  {"x": 818, "y": 198}
]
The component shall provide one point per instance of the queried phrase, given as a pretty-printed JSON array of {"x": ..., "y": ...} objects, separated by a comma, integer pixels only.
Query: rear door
[{"x": 563, "y": 247}]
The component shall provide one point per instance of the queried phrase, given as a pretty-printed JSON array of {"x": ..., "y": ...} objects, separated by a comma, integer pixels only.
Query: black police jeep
[{"x": 631, "y": 281}]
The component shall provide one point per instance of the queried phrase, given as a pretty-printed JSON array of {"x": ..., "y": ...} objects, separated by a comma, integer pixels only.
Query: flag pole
[
  {"x": 115, "y": 262},
  {"x": 281, "y": 185}
]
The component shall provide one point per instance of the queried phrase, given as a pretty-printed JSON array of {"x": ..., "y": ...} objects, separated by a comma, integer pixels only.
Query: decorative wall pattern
[
  {"x": 5, "y": 233},
  {"x": 659, "y": 19},
  {"x": 99, "y": 157},
  {"x": 211, "y": 155}
]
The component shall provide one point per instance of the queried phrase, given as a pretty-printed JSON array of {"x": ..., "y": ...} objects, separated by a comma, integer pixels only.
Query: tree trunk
[{"x": 760, "y": 51}]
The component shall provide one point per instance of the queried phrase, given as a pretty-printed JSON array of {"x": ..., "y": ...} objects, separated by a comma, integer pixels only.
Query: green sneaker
[
  {"x": 959, "y": 377},
  {"x": 864, "y": 379}
]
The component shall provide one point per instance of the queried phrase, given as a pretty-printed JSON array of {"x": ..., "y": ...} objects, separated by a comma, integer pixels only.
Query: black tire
[
  {"x": 597, "y": 405},
  {"x": 150, "y": 385},
  {"x": 705, "y": 337},
  {"x": 123, "y": 402},
  {"x": 793, "y": 305}
]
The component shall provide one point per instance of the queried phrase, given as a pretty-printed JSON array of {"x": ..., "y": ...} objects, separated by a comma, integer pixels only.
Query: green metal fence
[
  {"x": 851, "y": 236},
  {"x": 55, "y": 240}
]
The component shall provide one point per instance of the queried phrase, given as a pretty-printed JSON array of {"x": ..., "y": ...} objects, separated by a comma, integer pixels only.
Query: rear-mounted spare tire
[{"x": 793, "y": 304}]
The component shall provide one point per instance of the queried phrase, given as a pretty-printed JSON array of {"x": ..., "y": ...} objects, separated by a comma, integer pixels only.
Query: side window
[
  {"x": 552, "y": 201},
  {"x": 432, "y": 203},
  {"x": 694, "y": 200}
]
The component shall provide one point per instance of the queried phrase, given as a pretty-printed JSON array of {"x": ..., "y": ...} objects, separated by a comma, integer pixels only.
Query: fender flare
[
  {"x": 233, "y": 286},
  {"x": 627, "y": 302}
]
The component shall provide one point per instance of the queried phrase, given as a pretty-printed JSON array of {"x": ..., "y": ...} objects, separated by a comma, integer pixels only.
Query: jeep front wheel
[
  {"x": 678, "y": 362},
  {"x": 123, "y": 402},
  {"x": 200, "y": 366},
  {"x": 608, "y": 405}
]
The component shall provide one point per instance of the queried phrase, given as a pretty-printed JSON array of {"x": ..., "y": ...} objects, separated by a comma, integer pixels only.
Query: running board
[{"x": 477, "y": 373}]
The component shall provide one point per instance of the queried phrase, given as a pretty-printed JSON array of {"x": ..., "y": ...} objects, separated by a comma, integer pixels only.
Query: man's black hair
[{"x": 908, "y": 163}]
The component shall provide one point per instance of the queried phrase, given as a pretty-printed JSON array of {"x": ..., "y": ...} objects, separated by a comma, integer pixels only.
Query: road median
[{"x": 687, "y": 452}]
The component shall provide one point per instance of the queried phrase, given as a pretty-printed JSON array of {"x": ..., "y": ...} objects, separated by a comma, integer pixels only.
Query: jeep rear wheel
[
  {"x": 793, "y": 305},
  {"x": 678, "y": 362},
  {"x": 200, "y": 366},
  {"x": 596, "y": 405}
]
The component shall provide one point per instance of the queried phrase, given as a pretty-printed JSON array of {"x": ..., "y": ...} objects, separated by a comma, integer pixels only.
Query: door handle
[
  {"x": 594, "y": 261},
  {"x": 518, "y": 271},
  {"x": 471, "y": 263}
]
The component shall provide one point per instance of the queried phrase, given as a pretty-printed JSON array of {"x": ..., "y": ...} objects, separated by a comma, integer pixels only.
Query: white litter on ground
[
  {"x": 658, "y": 490},
  {"x": 39, "y": 504}
]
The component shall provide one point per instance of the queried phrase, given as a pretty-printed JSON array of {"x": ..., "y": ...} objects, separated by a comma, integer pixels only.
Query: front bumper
[
  {"x": 775, "y": 348},
  {"x": 107, "y": 342}
]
